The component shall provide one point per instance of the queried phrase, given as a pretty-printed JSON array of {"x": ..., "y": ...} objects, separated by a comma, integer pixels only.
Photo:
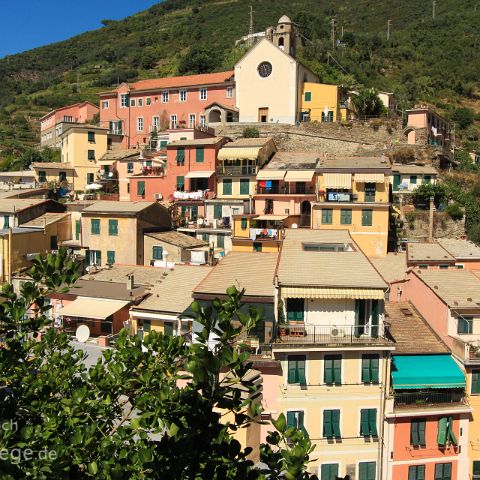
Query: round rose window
[{"x": 265, "y": 69}]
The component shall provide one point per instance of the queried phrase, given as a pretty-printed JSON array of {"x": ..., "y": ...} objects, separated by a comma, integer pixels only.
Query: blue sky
[{"x": 26, "y": 24}]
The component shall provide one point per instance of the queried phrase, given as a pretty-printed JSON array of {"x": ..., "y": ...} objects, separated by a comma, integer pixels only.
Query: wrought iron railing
[
  {"x": 428, "y": 398},
  {"x": 237, "y": 170}
]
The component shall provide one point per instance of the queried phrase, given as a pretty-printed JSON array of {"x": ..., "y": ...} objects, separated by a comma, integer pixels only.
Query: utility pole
[
  {"x": 434, "y": 4},
  {"x": 250, "y": 28},
  {"x": 389, "y": 24},
  {"x": 333, "y": 33}
]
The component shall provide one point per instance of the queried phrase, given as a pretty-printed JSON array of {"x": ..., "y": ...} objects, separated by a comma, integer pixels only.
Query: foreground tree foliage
[{"x": 151, "y": 410}]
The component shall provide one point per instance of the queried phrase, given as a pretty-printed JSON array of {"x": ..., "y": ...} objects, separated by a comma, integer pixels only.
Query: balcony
[
  {"x": 197, "y": 195},
  {"x": 152, "y": 172},
  {"x": 287, "y": 189},
  {"x": 337, "y": 197},
  {"x": 425, "y": 399},
  {"x": 297, "y": 333},
  {"x": 237, "y": 170},
  {"x": 467, "y": 350},
  {"x": 265, "y": 234}
]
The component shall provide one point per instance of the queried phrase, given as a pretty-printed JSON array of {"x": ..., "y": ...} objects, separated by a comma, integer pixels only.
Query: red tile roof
[{"x": 183, "y": 81}]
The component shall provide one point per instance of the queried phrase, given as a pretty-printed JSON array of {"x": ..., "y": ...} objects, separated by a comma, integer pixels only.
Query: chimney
[{"x": 130, "y": 281}]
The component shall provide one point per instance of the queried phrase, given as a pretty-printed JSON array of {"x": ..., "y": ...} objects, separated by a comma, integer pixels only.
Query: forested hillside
[{"x": 426, "y": 59}]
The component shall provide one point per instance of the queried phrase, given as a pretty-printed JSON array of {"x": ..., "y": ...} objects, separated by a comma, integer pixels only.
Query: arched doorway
[
  {"x": 215, "y": 116},
  {"x": 306, "y": 213}
]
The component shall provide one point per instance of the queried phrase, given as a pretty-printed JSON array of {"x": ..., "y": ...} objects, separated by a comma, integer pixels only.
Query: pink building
[
  {"x": 286, "y": 186},
  {"x": 55, "y": 122},
  {"x": 426, "y": 126},
  {"x": 135, "y": 111}
]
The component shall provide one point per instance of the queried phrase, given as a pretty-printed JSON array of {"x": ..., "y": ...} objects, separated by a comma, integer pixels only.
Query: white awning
[
  {"x": 337, "y": 180},
  {"x": 271, "y": 174},
  {"x": 299, "y": 175},
  {"x": 370, "y": 177},
  {"x": 238, "y": 153},
  {"x": 199, "y": 174},
  {"x": 92, "y": 308},
  {"x": 271, "y": 217},
  {"x": 329, "y": 292},
  {"x": 106, "y": 162}
]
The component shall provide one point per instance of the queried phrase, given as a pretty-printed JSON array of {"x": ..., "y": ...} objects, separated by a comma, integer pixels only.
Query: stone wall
[
  {"x": 341, "y": 139},
  {"x": 443, "y": 226}
]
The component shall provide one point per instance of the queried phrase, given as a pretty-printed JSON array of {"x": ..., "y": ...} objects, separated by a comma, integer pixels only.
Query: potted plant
[{"x": 282, "y": 325}]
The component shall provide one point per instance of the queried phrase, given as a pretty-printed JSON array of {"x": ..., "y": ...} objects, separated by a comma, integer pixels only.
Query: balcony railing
[
  {"x": 338, "y": 197},
  {"x": 299, "y": 333},
  {"x": 286, "y": 190},
  {"x": 237, "y": 170},
  {"x": 427, "y": 398},
  {"x": 467, "y": 351},
  {"x": 265, "y": 234}
]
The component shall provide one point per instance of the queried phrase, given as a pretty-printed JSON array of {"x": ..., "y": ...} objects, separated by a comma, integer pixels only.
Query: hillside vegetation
[{"x": 428, "y": 60}]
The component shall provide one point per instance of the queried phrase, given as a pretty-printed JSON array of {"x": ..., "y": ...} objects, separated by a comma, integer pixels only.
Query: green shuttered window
[
  {"x": 244, "y": 223},
  {"x": 95, "y": 226},
  {"x": 329, "y": 471},
  {"x": 476, "y": 470},
  {"x": 78, "y": 229},
  {"x": 295, "y": 309},
  {"x": 308, "y": 96},
  {"x": 332, "y": 369},
  {"x": 368, "y": 422},
  {"x": 113, "y": 227},
  {"x": 367, "y": 470},
  {"x": 157, "y": 252},
  {"x": 445, "y": 432},
  {"x": 217, "y": 211},
  {"x": 443, "y": 471},
  {"x": 346, "y": 216},
  {"x": 180, "y": 183},
  {"x": 331, "y": 424},
  {"x": 199, "y": 154},
  {"x": 475, "y": 387},
  {"x": 180, "y": 156},
  {"x": 370, "y": 363},
  {"x": 141, "y": 188},
  {"x": 416, "y": 472},
  {"x": 227, "y": 186},
  {"x": 367, "y": 218},
  {"x": 110, "y": 257},
  {"x": 296, "y": 369},
  {"x": 295, "y": 419},
  {"x": 244, "y": 186},
  {"x": 327, "y": 216},
  {"x": 417, "y": 431}
]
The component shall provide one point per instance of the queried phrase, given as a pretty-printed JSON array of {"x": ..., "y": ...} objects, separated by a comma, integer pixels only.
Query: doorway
[
  {"x": 263, "y": 115},
  {"x": 306, "y": 212}
]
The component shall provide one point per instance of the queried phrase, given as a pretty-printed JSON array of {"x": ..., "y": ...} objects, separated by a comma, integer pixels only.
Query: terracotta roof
[
  {"x": 460, "y": 249},
  {"x": 350, "y": 269},
  {"x": 250, "y": 270},
  {"x": 67, "y": 106},
  {"x": 427, "y": 252},
  {"x": 411, "y": 332},
  {"x": 53, "y": 165},
  {"x": 173, "y": 293},
  {"x": 143, "y": 275},
  {"x": 196, "y": 141},
  {"x": 457, "y": 288},
  {"x": 86, "y": 287},
  {"x": 178, "y": 239},
  {"x": 183, "y": 81},
  {"x": 18, "y": 173},
  {"x": 248, "y": 142},
  {"x": 120, "y": 154},
  {"x": 392, "y": 266},
  {"x": 293, "y": 161},
  {"x": 46, "y": 219},
  {"x": 112, "y": 206},
  {"x": 354, "y": 163},
  {"x": 414, "y": 169}
]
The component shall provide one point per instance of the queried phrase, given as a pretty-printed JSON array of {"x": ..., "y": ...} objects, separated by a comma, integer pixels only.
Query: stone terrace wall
[{"x": 341, "y": 139}]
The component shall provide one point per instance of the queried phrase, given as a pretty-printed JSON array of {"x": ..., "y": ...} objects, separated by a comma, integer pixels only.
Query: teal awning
[{"x": 426, "y": 371}]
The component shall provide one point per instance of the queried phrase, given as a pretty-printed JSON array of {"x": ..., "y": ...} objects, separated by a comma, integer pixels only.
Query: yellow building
[
  {"x": 257, "y": 233},
  {"x": 333, "y": 347},
  {"x": 82, "y": 147},
  {"x": 113, "y": 231},
  {"x": 354, "y": 196},
  {"x": 325, "y": 103}
]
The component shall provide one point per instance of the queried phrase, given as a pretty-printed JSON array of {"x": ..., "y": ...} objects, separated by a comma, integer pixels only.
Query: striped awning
[
  {"x": 199, "y": 174},
  {"x": 97, "y": 308},
  {"x": 370, "y": 177},
  {"x": 328, "y": 292},
  {"x": 299, "y": 175},
  {"x": 238, "y": 153},
  {"x": 337, "y": 180},
  {"x": 271, "y": 174}
]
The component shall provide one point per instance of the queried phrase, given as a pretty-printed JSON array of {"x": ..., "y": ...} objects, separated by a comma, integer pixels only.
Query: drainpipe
[
  {"x": 383, "y": 401},
  {"x": 430, "y": 220},
  {"x": 10, "y": 238}
]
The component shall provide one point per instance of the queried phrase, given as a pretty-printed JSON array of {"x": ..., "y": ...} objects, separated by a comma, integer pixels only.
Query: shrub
[
  {"x": 454, "y": 211},
  {"x": 463, "y": 117},
  {"x": 251, "y": 132}
]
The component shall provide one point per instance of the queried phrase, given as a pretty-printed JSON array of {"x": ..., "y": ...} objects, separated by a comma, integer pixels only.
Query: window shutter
[
  {"x": 362, "y": 471},
  {"x": 421, "y": 432},
  {"x": 328, "y": 370},
  {"x": 110, "y": 257},
  {"x": 414, "y": 439},
  {"x": 337, "y": 371},
  {"x": 292, "y": 370},
  {"x": 168, "y": 328},
  {"x": 227, "y": 186},
  {"x": 244, "y": 223},
  {"x": 301, "y": 371},
  {"x": 372, "y": 421},
  {"x": 374, "y": 369},
  {"x": 301, "y": 424},
  {"x": 327, "y": 424},
  {"x": 442, "y": 431},
  {"x": 217, "y": 211},
  {"x": 357, "y": 318},
  {"x": 364, "y": 430},
  {"x": 200, "y": 154},
  {"x": 439, "y": 471},
  {"x": 366, "y": 369},
  {"x": 77, "y": 229},
  {"x": 141, "y": 188},
  {"x": 291, "y": 419},
  {"x": 375, "y": 318},
  {"x": 336, "y": 423},
  {"x": 420, "y": 472},
  {"x": 475, "y": 388},
  {"x": 451, "y": 436},
  {"x": 244, "y": 186}
]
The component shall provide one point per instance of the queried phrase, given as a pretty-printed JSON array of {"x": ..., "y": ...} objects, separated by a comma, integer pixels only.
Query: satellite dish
[
  {"x": 294, "y": 225},
  {"x": 110, "y": 174},
  {"x": 200, "y": 221},
  {"x": 82, "y": 334}
]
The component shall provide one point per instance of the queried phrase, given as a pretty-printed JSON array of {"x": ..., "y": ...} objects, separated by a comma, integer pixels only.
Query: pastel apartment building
[
  {"x": 353, "y": 195},
  {"x": 407, "y": 178},
  {"x": 332, "y": 342},
  {"x": 426, "y": 127},
  {"x": 325, "y": 103},
  {"x": 135, "y": 110},
  {"x": 54, "y": 123},
  {"x": 427, "y": 415},
  {"x": 448, "y": 300}
]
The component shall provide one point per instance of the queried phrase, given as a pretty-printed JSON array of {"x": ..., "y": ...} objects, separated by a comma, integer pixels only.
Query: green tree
[
  {"x": 367, "y": 103},
  {"x": 463, "y": 117},
  {"x": 151, "y": 409},
  {"x": 199, "y": 59}
]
